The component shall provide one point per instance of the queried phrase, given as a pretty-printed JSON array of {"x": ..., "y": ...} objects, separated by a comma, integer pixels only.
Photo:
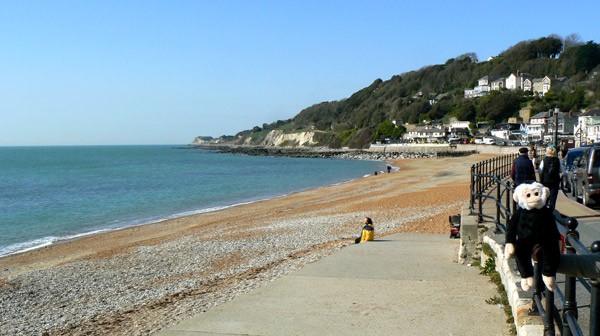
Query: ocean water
[{"x": 53, "y": 193}]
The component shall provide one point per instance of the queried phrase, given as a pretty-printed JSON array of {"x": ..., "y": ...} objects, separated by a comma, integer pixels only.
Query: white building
[
  {"x": 498, "y": 84},
  {"x": 424, "y": 134},
  {"x": 587, "y": 129},
  {"x": 515, "y": 81},
  {"x": 537, "y": 126},
  {"x": 483, "y": 87}
]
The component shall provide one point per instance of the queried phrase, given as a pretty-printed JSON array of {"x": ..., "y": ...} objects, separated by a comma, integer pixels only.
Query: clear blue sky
[{"x": 163, "y": 72}]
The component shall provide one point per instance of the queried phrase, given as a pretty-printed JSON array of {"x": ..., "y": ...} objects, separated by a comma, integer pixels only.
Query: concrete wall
[{"x": 433, "y": 148}]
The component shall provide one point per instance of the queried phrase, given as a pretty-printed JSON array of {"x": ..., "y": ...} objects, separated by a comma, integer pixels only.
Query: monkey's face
[{"x": 531, "y": 196}]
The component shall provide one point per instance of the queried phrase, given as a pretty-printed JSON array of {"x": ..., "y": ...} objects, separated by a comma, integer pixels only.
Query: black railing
[{"x": 489, "y": 183}]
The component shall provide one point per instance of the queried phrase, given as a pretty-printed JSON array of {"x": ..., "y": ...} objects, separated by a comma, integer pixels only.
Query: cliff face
[
  {"x": 278, "y": 138},
  {"x": 202, "y": 140}
]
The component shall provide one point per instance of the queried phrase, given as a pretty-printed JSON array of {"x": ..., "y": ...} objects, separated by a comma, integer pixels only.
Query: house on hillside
[
  {"x": 487, "y": 80},
  {"x": 537, "y": 127},
  {"x": 507, "y": 131},
  {"x": 498, "y": 84},
  {"x": 515, "y": 80},
  {"x": 587, "y": 129},
  {"x": 437, "y": 98},
  {"x": 542, "y": 126},
  {"x": 426, "y": 134},
  {"x": 459, "y": 124},
  {"x": 528, "y": 84},
  {"x": 483, "y": 87},
  {"x": 541, "y": 86}
]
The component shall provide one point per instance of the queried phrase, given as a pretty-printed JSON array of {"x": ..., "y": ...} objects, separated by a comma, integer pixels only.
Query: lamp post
[{"x": 556, "y": 127}]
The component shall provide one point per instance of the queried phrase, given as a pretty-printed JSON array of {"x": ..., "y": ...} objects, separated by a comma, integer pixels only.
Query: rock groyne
[{"x": 323, "y": 152}]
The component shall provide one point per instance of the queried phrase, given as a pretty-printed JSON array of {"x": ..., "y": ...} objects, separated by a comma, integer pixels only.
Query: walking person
[
  {"x": 522, "y": 168},
  {"x": 533, "y": 157},
  {"x": 550, "y": 170}
]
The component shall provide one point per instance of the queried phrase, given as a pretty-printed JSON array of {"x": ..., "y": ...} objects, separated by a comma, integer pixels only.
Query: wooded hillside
[{"x": 356, "y": 121}]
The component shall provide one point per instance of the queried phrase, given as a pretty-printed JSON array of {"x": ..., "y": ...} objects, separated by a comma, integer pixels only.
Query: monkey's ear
[
  {"x": 546, "y": 193},
  {"x": 516, "y": 197}
]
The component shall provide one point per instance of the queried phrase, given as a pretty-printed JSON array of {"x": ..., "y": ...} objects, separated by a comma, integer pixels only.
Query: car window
[
  {"x": 572, "y": 157},
  {"x": 596, "y": 162}
]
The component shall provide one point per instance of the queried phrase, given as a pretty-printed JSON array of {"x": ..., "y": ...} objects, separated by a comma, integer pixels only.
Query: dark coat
[
  {"x": 527, "y": 228},
  {"x": 522, "y": 170},
  {"x": 551, "y": 178}
]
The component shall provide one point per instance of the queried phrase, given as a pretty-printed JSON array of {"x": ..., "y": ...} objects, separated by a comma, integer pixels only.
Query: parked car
[
  {"x": 586, "y": 176},
  {"x": 489, "y": 141},
  {"x": 567, "y": 166}
]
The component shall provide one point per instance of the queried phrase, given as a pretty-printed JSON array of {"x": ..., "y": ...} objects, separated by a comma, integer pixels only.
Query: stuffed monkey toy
[{"x": 530, "y": 228}]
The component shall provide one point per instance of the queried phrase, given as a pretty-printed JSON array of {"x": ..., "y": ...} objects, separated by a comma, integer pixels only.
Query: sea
[{"x": 49, "y": 194}]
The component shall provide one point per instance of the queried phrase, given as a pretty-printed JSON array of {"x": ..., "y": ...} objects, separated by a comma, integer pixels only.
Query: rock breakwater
[{"x": 317, "y": 152}]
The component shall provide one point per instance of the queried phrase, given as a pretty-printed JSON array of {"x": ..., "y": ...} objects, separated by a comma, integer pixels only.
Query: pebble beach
[{"x": 139, "y": 280}]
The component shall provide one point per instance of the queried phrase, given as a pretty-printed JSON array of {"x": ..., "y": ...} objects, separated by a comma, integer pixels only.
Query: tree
[
  {"x": 572, "y": 40},
  {"x": 387, "y": 129},
  {"x": 470, "y": 56},
  {"x": 497, "y": 107},
  {"x": 466, "y": 111}
]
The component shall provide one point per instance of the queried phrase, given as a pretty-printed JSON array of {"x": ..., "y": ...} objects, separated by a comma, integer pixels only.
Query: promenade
[{"x": 401, "y": 284}]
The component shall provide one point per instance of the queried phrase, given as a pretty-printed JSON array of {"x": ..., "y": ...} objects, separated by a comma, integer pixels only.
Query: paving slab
[{"x": 402, "y": 284}]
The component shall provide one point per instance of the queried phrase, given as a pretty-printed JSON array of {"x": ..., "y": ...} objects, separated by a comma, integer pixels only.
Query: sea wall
[{"x": 434, "y": 148}]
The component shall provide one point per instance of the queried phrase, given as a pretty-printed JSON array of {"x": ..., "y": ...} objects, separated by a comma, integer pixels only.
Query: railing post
[
  {"x": 498, "y": 203},
  {"x": 570, "y": 307},
  {"x": 549, "y": 314},
  {"x": 595, "y": 299},
  {"x": 508, "y": 202},
  {"x": 479, "y": 193},
  {"x": 537, "y": 289},
  {"x": 472, "y": 207},
  {"x": 486, "y": 171}
]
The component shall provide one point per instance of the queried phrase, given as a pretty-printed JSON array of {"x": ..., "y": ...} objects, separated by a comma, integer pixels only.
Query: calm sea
[{"x": 53, "y": 193}]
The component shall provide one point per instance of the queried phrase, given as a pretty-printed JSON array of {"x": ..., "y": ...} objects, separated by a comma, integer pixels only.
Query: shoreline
[
  {"x": 141, "y": 279},
  {"x": 51, "y": 241}
]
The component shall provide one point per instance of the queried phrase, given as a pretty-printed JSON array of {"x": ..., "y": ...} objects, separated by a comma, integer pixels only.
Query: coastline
[
  {"x": 173, "y": 269},
  {"x": 49, "y": 241},
  {"x": 191, "y": 204}
]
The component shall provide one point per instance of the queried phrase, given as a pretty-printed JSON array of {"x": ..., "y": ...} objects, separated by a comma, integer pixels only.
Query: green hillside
[{"x": 358, "y": 120}]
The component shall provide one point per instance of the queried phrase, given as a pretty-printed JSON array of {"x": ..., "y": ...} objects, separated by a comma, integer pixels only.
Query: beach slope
[{"x": 139, "y": 280}]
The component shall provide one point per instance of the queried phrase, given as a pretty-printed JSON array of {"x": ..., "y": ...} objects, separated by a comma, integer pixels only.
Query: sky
[{"x": 164, "y": 72}]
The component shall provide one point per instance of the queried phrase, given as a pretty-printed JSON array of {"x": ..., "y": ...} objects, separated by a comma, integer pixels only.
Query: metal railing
[
  {"x": 489, "y": 177},
  {"x": 489, "y": 184}
]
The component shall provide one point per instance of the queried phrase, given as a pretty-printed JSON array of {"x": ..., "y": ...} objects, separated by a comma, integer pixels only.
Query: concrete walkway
[{"x": 402, "y": 284}]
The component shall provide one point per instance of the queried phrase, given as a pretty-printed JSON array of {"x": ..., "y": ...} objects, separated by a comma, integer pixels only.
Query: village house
[
  {"x": 541, "y": 86},
  {"x": 507, "y": 131},
  {"x": 528, "y": 84},
  {"x": 515, "y": 81},
  {"x": 587, "y": 129},
  {"x": 498, "y": 84},
  {"x": 483, "y": 87},
  {"x": 426, "y": 134},
  {"x": 542, "y": 125}
]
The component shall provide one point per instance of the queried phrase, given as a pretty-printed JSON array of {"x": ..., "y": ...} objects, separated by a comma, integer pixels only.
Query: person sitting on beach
[{"x": 368, "y": 231}]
